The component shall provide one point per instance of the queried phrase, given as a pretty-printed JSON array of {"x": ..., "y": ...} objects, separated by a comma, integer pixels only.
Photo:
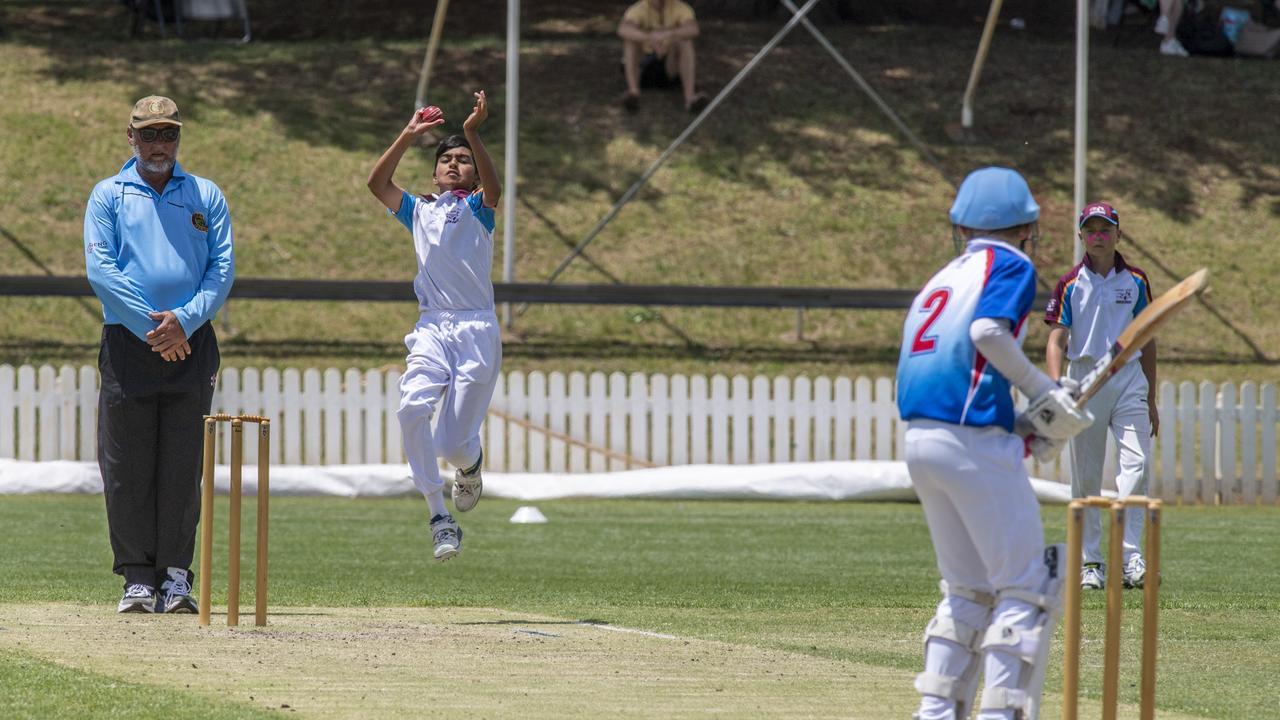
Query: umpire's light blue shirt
[{"x": 149, "y": 252}]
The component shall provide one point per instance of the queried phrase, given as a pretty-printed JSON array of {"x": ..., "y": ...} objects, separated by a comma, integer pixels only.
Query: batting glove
[{"x": 1054, "y": 415}]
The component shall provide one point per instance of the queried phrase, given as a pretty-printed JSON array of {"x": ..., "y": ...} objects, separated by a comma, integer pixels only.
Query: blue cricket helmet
[{"x": 994, "y": 198}]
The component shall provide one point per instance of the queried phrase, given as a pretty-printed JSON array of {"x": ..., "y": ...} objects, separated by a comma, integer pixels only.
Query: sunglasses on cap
[{"x": 169, "y": 134}]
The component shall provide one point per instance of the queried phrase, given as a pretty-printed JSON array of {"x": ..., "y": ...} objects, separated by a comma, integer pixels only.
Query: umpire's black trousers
[{"x": 150, "y": 439}]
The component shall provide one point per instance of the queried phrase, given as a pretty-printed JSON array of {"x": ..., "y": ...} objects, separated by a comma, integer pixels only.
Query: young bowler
[{"x": 455, "y": 349}]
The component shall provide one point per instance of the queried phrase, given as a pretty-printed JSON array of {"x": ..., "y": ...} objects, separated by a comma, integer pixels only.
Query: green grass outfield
[{"x": 825, "y": 583}]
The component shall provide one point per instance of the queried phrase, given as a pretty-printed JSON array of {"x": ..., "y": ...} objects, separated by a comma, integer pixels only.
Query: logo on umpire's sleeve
[{"x": 197, "y": 221}]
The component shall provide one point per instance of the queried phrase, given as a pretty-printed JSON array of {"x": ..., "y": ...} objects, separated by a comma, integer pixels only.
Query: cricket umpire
[{"x": 158, "y": 254}]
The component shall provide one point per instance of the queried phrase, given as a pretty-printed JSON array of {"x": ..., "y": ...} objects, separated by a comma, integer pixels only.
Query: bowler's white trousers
[
  {"x": 453, "y": 364},
  {"x": 1121, "y": 407},
  {"x": 985, "y": 524}
]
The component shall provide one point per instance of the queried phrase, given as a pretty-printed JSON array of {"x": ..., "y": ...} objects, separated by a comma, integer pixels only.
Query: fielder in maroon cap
[{"x": 1092, "y": 304}]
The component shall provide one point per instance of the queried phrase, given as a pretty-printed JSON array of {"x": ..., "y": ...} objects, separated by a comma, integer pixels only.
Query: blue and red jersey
[{"x": 941, "y": 374}]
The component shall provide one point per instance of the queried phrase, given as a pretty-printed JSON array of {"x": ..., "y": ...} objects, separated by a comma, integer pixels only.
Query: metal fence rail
[{"x": 534, "y": 293}]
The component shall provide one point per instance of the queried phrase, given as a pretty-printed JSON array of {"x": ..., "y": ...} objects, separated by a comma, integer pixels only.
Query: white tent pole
[
  {"x": 513, "y": 132},
  {"x": 429, "y": 60},
  {"x": 1082, "y": 118},
  {"x": 989, "y": 29}
]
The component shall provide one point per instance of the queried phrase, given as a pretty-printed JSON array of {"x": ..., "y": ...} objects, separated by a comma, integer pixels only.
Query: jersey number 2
[{"x": 937, "y": 300}]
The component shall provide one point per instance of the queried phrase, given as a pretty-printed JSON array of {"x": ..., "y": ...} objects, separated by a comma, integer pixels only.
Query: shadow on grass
[
  {"x": 1152, "y": 117},
  {"x": 1157, "y": 125},
  {"x": 358, "y": 94}
]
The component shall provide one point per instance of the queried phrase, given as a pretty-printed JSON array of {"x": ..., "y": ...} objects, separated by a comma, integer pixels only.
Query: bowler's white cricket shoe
[
  {"x": 467, "y": 486},
  {"x": 447, "y": 537}
]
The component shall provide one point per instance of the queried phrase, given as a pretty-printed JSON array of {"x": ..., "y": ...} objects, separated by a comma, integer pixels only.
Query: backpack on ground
[{"x": 1200, "y": 33}]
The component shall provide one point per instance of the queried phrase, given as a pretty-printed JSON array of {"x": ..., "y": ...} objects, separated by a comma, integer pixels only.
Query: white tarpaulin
[{"x": 853, "y": 480}]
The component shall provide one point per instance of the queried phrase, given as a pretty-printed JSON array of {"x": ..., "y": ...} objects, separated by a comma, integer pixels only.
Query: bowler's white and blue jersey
[
  {"x": 453, "y": 237},
  {"x": 941, "y": 374},
  {"x": 455, "y": 349}
]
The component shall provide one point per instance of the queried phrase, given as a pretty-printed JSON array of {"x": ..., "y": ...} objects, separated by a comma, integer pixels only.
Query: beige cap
[{"x": 154, "y": 110}]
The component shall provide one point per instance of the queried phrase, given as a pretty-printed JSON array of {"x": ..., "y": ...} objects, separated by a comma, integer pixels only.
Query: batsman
[{"x": 961, "y": 352}]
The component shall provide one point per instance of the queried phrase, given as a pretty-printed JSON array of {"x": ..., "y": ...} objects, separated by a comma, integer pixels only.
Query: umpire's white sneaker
[
  {"x": 447, "y": 537},
  {"x": 137, "y": 598},
  {"x": 175, "y": 593},
  {"x": 1093, "y": 576},
  {"x": 467, "y": 486},
  {"x": 1135, "y": 571}
]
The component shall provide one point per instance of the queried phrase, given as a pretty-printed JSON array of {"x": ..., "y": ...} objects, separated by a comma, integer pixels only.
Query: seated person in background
[{"x": 657, "y": 50}]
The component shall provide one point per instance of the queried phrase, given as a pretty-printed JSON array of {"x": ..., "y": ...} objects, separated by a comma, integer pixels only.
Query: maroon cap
[{"x": 1099, "y": 209}]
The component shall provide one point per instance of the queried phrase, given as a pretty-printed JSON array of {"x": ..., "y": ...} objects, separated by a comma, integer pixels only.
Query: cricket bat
[{"x": 1140, "y": 332}]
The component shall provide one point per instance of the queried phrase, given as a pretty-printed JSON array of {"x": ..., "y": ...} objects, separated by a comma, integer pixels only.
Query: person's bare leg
[
  {"x": 687, "y": 62},
  {"x": 631, "y": 66},
  {"x": 1098, "y": 14},
  {"x": 671, "y": 61},
  {"x": 1171, "y": 9}
]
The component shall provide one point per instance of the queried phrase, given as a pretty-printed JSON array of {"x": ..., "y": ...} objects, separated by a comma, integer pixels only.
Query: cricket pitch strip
[
  {"x": 317, "y": 662},
  {"x": 451, "y": 662}
]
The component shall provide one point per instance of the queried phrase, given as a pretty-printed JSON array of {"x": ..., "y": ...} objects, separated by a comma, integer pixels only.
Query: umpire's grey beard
[{"x": 159, "y": 168}]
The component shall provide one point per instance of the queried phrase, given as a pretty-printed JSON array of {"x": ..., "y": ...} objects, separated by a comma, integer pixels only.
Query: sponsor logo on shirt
[
  {"x": 1124, "y": 296},
  {"x": 454, "y": 214},
  {"x": 197, "y": 221}
]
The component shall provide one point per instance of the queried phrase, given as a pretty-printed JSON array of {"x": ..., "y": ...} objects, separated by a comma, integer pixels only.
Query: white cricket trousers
[
  {"x": 984, "y": 520},
  {"x": 453, "y": 364},
  {"x": 1121, "y": 408}
]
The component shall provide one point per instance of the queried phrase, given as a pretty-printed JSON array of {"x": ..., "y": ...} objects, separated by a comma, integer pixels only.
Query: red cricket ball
[{"x": 430, "y": 113}]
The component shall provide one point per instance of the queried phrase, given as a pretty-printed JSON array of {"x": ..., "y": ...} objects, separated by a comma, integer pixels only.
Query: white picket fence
[{"x": 1217, "y": 443}]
